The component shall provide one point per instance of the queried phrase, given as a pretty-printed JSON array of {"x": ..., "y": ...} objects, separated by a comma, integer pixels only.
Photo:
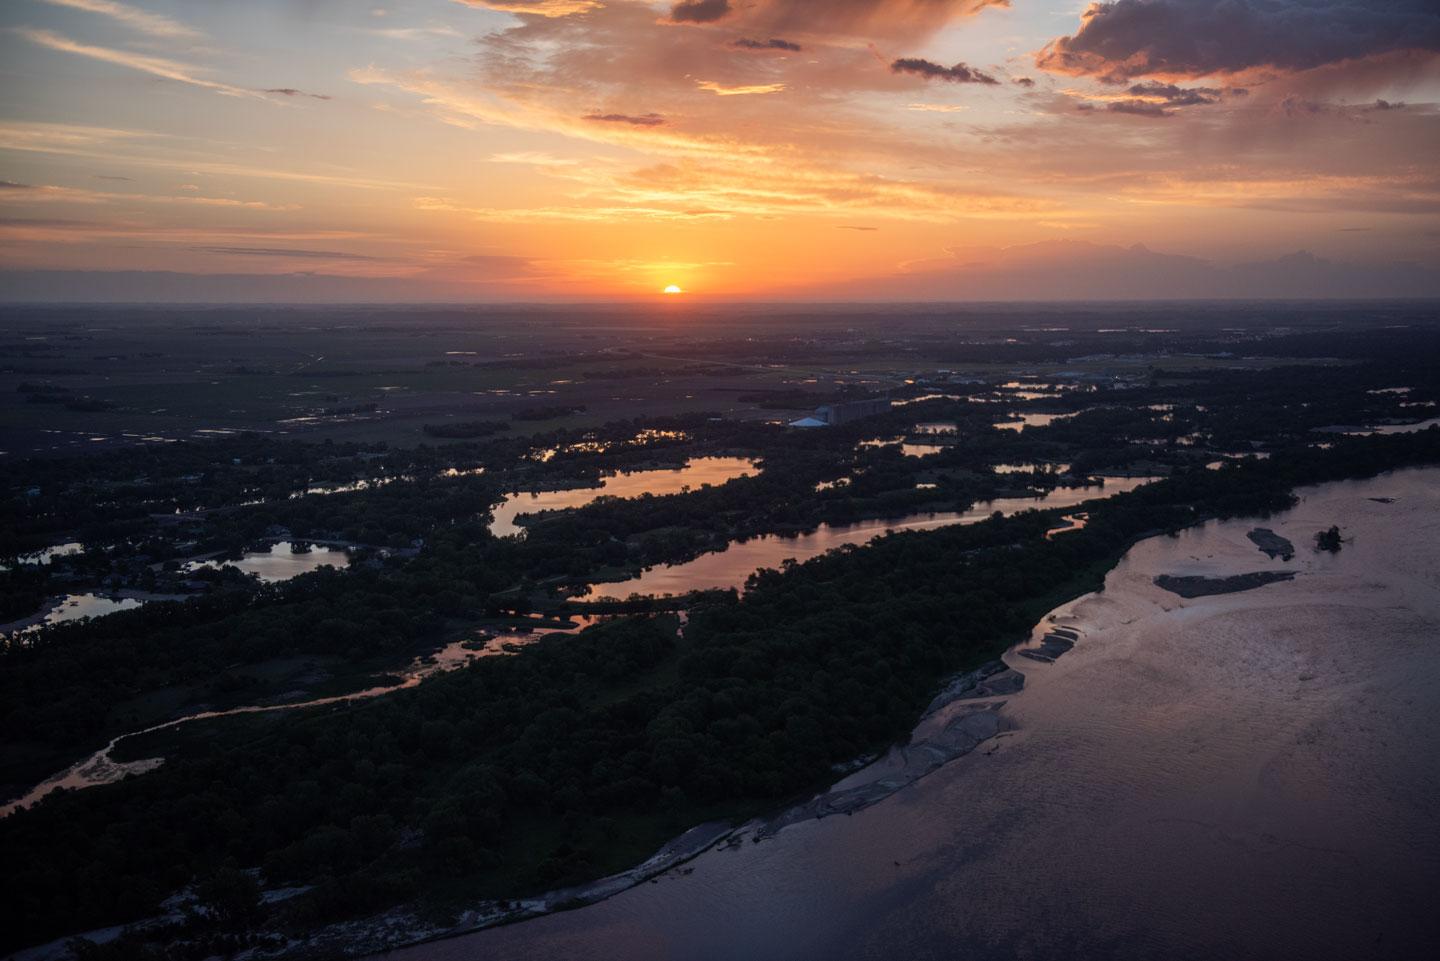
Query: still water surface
[
  {"x": 730, "y": 567},
  {"x": 698, "y": 472},
  {"x": 280, "y": 562},
  {"x": 1250, "y": 775}
]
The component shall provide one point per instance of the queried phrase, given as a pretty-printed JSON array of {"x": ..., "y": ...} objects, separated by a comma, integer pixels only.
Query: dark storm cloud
[
  {"x": 771, "y": 44},
  {"x": 959, "y": 73},
  {"x": 699, "y": 11},
  {"x": 647, "y": 120},
  {"x": 1025, "y": 81},
  {"x": 1194, "y": 38},
  {"x": 292, "y": 92}
]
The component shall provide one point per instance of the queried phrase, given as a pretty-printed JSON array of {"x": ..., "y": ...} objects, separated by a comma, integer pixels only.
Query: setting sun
[{"x": 672, "y": 289}]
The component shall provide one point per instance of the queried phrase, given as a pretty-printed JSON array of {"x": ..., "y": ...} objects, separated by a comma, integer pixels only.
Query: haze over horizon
[{"x": 769, "y": 150}]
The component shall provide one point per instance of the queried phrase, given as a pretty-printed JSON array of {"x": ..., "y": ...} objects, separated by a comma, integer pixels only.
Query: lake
[
  {"x": 698, "y": 472},
  {"x": 730, "y": 567},
  {"x": 280, "y": 562}
]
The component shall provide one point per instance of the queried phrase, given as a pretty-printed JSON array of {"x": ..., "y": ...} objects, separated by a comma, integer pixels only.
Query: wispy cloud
[
  {"x": 532, "y": 157},
  {"x": 156, "y": 66},
  {"x": 411, "y": 33},
  {"x": 286, "y": 252},
  {"x": 143, "y": 148},
  {"x": 741, "y": 90},
  {"x": 135, "y": 18},
  {"x": 693, "y": 192},
  {"x": 292, "y": 92},
  {"x": 543, "y": 8},
  {"x": 228, "y": 202},
  {"x": 49, "y": 193},
  {"x": 644, "y": 120}
]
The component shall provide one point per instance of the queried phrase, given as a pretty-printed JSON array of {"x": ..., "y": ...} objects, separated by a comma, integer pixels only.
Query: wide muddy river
[{"x": 1248, "y": 775}]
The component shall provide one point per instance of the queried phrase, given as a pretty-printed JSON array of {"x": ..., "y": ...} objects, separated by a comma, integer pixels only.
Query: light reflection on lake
[
  {"x": 1400, "y": 428},
  {"x": 47, "y": 555},
  {"x": 696, "y": 473},
  {"x": 1034, "y": 420},
  {"x": 909, "y": 450},
  {"x": 72, "y": 607},
  {"x": 730, "y": 567},
  {"x": 1028, "y": 468},
  {"x": 280, "y": 563}
]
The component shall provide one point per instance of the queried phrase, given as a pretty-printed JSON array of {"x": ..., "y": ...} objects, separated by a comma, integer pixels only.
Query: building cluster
[{"x": 831, "y": 415}]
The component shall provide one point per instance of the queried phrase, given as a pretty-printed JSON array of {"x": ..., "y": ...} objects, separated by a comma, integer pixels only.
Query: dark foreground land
[{"x": 396, "y": 433}]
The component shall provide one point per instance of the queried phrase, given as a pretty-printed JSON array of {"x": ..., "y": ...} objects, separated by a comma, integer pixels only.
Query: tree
[{"x": 230, "y": 898}]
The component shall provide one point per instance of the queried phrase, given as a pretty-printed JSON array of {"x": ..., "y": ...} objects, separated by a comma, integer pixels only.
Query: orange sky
[{"x": 751, "y": 149}]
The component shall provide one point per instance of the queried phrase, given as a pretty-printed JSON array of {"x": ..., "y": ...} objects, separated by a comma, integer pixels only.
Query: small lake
[
  {"x": 909, "y": 450},
  {"x": 1032, "y": 420},
  {"x": 280, "y": 562},
  {"x": 1030, "y": 467},
  {"x": 730, "y": 567},
  {"x": 47, "y": 555},
  {"x": 72, "y": 607},
  {"x": 1401, "y": 428},
  {"x": 697, "y": 473}
]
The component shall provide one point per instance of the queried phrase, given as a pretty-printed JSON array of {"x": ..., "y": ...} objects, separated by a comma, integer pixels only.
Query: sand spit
[
  {"x": 1272, "y": 543},
  {"x": 1196, "y": 586}
]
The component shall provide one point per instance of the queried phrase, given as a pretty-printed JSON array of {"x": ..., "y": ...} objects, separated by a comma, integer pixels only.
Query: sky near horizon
[{"x": 539, "y": 150}]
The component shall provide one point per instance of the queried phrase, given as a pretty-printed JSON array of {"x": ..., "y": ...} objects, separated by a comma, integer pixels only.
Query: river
[
  {"x": 1248, "y": 775},
  {"x": 731, "y": 566}
]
